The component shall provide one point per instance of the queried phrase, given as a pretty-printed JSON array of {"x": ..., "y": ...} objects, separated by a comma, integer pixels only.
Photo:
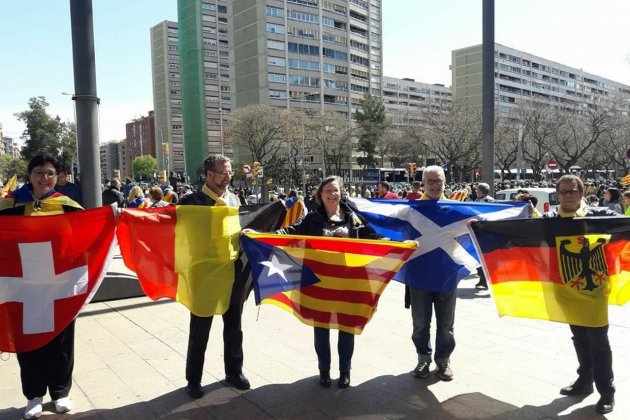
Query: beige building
[
  {"x": 522, "y": 78},
  {"x": 407, "y": 100}
]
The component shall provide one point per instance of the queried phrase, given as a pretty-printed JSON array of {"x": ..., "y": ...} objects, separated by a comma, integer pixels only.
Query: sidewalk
[{"x": 130, "y": 358}]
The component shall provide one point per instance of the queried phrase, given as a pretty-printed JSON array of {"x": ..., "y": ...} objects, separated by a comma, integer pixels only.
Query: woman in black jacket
[{"x": 334, "y": 218}]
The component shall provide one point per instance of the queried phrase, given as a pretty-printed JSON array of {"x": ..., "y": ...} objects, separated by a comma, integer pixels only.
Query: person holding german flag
[
  {"x": 591, "y": 343},
  {"x": 49, "y": 367}
]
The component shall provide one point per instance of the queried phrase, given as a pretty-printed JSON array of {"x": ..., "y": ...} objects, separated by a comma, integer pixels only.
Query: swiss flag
[{"x": 50, "y": 268}]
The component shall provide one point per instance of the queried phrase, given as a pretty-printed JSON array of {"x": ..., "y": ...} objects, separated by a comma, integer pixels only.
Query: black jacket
[
  {"x": 111, "y": 195},
  {"x": 314, "y": 222},
  {"x": 590, "y": 212}
]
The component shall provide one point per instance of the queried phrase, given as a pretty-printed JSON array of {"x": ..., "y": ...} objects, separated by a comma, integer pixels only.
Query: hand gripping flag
[
  {"x": 188, "y": 253},
  {"x": 446, "y": 253},
  {"x": 351, "y": 275},
  {"x": 565, "y": 270},
  {"x": 50, "y": 268}
]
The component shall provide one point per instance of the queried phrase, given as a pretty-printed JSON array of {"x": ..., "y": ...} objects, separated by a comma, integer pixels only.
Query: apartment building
[
  {"x": 205, "y": 59},
  {"x": 406, "y": 100},
  {"x": 167, "y": 97},
  {"x": 110, "y": 160},
  {"x": 140, "y": 138},
  {"x": 523, "y": 78}
]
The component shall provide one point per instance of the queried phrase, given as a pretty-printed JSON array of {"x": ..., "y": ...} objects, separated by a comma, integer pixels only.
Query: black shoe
[
  {"x": 482, "y": 284},
  {"x": 194, "y": 390},
  {"x": 579, "y": 387},
  {"x": 344, "y": 380},
  {"x": 238, "y": 381},
  {"x": 422, "y": 370},
  {"x": 444, "y": 371},
  {"x": 605, "y": 404},
  {"x": 324, "y": 378}
]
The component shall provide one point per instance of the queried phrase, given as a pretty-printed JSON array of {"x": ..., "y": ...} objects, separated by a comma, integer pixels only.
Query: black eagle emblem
[{"x": 587, "y": 264}]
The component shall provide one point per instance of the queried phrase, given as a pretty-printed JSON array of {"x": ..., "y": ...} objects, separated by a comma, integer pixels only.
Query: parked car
[{"x": 547, "y": 197}]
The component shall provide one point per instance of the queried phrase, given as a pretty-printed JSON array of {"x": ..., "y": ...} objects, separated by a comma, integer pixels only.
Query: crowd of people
[{"x": 46, "y": 191}]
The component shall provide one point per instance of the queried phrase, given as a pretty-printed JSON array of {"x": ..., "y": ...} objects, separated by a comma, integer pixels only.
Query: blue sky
[{"x": 419, "y": 36}]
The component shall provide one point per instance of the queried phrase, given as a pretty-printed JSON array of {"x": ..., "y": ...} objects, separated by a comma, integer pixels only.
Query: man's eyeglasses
[
  {"x": 224, "y": 173},
  {"x": 568, "y": 192},
  {"x": 434, "y": 181},
  {"x": 41, "y": 174}
]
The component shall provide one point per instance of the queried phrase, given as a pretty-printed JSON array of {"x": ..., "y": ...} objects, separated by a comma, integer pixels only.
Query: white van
[{"x": 547, "y": 197}]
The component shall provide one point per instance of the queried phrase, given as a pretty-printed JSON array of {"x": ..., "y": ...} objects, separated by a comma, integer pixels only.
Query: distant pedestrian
[
  {"x": 67, "y": 188},
  {"x": 113, "y": 195}
]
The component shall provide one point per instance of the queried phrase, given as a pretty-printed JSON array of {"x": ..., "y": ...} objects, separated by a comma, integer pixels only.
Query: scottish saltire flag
[
  {"x": 274, "y": 270},
  {"x": 446, "y": 253}
]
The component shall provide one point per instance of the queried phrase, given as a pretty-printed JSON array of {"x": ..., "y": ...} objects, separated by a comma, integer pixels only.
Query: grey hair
[{"x": 433, "y": 169}]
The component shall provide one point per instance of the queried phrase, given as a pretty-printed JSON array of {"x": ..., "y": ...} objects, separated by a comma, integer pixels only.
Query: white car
[{"x": 547, "y": 197}]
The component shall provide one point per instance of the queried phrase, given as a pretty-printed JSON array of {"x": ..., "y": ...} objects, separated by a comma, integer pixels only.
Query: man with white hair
[{"x": 423, "y": 302}]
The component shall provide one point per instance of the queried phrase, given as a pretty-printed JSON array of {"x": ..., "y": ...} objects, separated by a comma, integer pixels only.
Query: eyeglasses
[
  {"x": 224, "y": 173},
  {"x": 41, "y": 174},
  {"x": 434, "y": 181},
  {"x": 568, "y": 192}
]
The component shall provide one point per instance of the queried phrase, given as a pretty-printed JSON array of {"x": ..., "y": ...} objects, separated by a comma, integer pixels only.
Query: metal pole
[
  {"x": 86, "y": 100},
  {"x": 519, "y": 152},
  {"x": 488, "y": 95}
]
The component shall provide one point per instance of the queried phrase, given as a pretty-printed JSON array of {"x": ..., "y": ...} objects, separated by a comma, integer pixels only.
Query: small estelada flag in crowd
[
  {"x": 11, "y": 184},
  {"x": 346, "y": 276},
  {"x": 562, "y": 269},
  {"x": 190, "y": 253},
  {"x": 295, "y": 211},
  {"x": 50, "y": 268},
  {"x": 625, "y": 181},
  {"x": 459, "y": 195}
]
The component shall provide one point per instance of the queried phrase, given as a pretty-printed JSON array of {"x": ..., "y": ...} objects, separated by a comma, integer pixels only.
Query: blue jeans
[
  {"x": 422, "y": 304},
  {"x": 345, "y": 347}
]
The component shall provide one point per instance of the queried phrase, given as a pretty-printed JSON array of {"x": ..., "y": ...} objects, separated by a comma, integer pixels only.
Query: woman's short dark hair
[
  {"x": 615, "y": 195},
  {"x": 327, "y": 181},
  {"x": 43, "y": 159}
]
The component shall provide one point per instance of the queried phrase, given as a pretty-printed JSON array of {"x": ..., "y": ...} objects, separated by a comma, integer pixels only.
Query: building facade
[
  {"x": 167, "y": 97},
  {"x": 141, "y": 136},
  {"x": 522, "y": 78},
  {"x": 110, "y": 160},
  {"x": 205, "y": 59},
  {"x": 406, "y": 100}
]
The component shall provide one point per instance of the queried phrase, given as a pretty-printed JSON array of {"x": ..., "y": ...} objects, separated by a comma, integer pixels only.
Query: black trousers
[
  {"x": 49, "y": 367},
  {"x": 594, "y": 356},
  {"x": 198, "y": 342}
]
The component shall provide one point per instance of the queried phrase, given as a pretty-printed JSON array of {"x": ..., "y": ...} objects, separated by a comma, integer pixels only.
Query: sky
[{"x": 418, "y": 37}]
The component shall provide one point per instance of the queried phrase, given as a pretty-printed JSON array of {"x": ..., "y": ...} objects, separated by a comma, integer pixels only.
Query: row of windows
[
  {"x": 303, "y": 17},
  {"x": 359, "y": 60}
]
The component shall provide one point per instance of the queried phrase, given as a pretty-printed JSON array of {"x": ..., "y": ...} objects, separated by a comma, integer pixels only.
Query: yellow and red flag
[
  {"x": 351, "y": 274},
  {"x": 625, "y": 181},
  {"x": 565, "y": 270},
  {"x": 187, "y": 253},
  {"x": 295, "y": 211},
  {"x": 11, "y": 184}
]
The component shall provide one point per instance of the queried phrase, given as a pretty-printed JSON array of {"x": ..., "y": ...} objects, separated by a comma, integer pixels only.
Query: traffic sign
[{"x": 552, "y": 164}]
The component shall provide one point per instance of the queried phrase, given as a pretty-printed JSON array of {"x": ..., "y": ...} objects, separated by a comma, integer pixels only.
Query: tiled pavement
[{"x": 130, "y": 357}]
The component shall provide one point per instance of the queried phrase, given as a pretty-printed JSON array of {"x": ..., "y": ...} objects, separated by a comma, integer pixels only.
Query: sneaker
[
  {"x": 422, "y": 370},
  {"x": 33, "y": 408},
  {"x": 63, "y": 405},
  {"x": 444, "y": 371},
  {"x": 238, "y": 381}
]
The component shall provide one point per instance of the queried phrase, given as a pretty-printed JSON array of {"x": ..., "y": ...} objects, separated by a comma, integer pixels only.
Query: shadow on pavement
[{"x": 392, "y": 397}]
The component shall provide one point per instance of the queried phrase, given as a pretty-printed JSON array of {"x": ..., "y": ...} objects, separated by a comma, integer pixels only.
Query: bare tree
[
  {"x": 539, "y": 128},
  {"x": 260, "y": 129},
  {"x": 505, "y": 143},
  {"x": 332, "y": 140}
]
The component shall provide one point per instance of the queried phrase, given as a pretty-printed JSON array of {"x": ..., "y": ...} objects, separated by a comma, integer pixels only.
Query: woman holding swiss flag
[{"x": 48, "y": 367}]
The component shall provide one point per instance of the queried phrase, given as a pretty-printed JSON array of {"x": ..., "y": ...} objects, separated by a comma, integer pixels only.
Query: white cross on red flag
[{"x": 50, "y": 268}]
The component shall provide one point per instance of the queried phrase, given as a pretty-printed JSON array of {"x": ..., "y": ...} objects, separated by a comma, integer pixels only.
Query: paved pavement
[{"x": 130, "y": 357}]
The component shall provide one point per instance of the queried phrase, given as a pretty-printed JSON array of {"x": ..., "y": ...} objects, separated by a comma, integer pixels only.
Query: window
[
  {"x": 359, "y": 60},
  {"x": 304, "y": 81},
  {"x": 295, "y": 63},
  {"x": 303, "y": 48},
  {"x": 329, "y": 68},
  {"x": 275, "y": 29},
  {"x": 277, "y": 94},
  {"x": 276, "y": 78},
  {"x": 274, "y": 11},
  {"x": 276, "y": 61},
  {"x": 275, "y": 45},
  {"x": 304, "y": 17},
  {"x": 208, "y": 18},
  {"x": 208, "y": 6},
  {"x": 338, "y": 55}
]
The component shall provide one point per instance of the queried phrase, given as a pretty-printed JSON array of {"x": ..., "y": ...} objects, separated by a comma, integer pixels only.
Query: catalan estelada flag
[
  {"x": 11, "y": 184},
  {"x": 295, "y": 211},
  {"x": 625, "y": 181},
  {"x": 561, "y": 269},
  {"x": 352, "y": 274},
  {"x": 188, "y": 253}
]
